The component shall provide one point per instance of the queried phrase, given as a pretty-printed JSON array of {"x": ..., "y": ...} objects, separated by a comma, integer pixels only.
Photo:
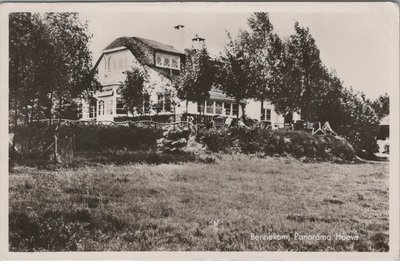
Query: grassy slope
[{"x": 200, "y": 207}]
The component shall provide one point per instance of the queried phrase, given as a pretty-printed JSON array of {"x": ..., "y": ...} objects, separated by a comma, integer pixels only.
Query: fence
[
  {"x": 43, "y": 139},
  {"x": 128, "y": 123}
]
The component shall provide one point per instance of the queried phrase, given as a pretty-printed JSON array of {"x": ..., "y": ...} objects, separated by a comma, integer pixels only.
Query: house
[{"x": 161, "y": 62}]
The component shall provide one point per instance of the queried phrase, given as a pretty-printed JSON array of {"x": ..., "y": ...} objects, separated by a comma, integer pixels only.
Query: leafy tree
[
  {"x": 360, "y": 124},
  {"x": 71, "y": 58},
  {"x": 234, "y": 70},
  {"x": 301, "y": 71},
  {"x": 381, "y": 106},
  {"x": 28, "y": 80},
  {"x": 133, "y": 91},
  {"x": 327, "y": 99},
  {"x": 264, "y": 51},
  {"x": 50, "y": 63},
  {"x": 196, "y": 77}
]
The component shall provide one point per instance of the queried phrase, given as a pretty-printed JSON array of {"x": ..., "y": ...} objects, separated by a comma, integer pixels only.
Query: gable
[{"x": 144, "y": 49}]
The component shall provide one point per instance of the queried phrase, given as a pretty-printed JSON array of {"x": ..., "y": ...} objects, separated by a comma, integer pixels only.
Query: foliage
[
  {"x": 234, "y": 74},
  {"x": 264, "y": 52},
  {"x": 280, "y": 143},
  {"x": 50, "y": 63},
  {"x": 89, "y": 138},
  {"x": 196, "y": 77},
  {"x": 215, "y": 140},
  {"x": 133, "y": 91},
  {"x": 359, "y": 123},
  {"x": 173, "y": 140},
  {"x": 302, "y": 72},
  {"x": 381, "y": 106}
]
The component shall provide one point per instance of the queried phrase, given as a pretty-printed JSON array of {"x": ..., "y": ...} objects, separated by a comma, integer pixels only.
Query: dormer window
[
  {"x": 158, "y": 60},
  {"x": 174, "y": 62},
  {"x": 168, "y": 61}
]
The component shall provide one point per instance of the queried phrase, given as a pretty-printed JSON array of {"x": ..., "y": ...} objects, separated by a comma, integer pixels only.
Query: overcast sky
[{"x": 359, "y": 40}]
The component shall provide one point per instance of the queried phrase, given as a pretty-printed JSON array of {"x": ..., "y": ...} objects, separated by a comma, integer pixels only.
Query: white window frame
[
  {"x": 162, "y": 56},
  {"x": 265, "y": 118},
  {"x": 101, "y": 108}
]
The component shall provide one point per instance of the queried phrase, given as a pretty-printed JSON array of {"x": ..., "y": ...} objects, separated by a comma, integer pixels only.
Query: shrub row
[
  {"x": 90, "y": 138},
  {"x": 269, "y": 142}
]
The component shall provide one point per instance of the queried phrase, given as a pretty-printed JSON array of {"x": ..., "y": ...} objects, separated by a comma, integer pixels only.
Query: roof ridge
[
  {"x": 127, "y": 40},
  {"x": 141, "y": 38}
]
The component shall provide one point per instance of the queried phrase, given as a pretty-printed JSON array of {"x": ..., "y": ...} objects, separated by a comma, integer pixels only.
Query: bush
[
  {"x": 216, "y": 140},
  {"x": 359, "y": 123},
  {"x": 279, "y": 143},
  {"x": 174, "y": 139},
  {"x": 35, "y": 138}
]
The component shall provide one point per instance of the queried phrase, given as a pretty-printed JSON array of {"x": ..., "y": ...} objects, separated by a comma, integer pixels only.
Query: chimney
[
  {"x": 180, "y": 37},
  {"x": 198, "y": 42}
]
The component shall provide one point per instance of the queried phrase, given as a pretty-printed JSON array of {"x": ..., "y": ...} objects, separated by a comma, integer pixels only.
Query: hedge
[
  {"x": 278, "y": 143},
  {"x": 35, "y": 138}
]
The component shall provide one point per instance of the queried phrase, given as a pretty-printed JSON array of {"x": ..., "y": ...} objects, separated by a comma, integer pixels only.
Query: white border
[{"x": 5, "y": 8}]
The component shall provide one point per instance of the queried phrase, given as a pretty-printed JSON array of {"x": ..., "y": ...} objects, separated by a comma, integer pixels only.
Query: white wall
[{"x": 253, "y": 110}]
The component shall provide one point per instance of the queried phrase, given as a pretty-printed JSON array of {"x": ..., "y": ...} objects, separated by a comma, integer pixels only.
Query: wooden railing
[{"x": 148, "y": 123}]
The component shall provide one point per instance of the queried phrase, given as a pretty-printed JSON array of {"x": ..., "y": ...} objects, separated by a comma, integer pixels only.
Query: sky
[{"x": 359, "y": 40}]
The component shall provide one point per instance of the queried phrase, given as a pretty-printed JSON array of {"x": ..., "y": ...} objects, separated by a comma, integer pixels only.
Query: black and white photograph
[{"x": 200, "y": 127}]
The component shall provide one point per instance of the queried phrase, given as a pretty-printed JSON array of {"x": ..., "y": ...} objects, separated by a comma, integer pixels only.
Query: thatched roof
[{"x": 138, "y": 46}]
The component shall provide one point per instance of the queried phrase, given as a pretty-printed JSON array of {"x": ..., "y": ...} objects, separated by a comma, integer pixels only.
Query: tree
[
  {"x": 234, "y": 70},
  {"x": 327, "y": 99},
  {"x": 71, "y": 58},
  {"x": 50, "y": 63},
  {"x": 381, "y": 106},
  {"x": 299, "y": 74},
  {"x": 133, "y": 92},
  {"x": 196, "y": 77},
  {"x": 264, "y": 51},
  {"x": 360, "y": 124},
  {"x": 28, "y": 81}
]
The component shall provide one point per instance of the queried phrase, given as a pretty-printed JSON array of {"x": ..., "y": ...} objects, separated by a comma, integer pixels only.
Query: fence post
[{"x": 57, "y": 158}]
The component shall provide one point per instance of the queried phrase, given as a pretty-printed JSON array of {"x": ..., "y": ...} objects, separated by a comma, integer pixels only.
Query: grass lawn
[{"x": 195, "y": 206}]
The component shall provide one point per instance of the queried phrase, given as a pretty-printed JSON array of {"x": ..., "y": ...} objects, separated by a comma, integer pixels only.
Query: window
[
  {"x": 210, "y": 107},
  {"x": 108, "y": 63},
  {"x": 101, "y": 107},
  {"x": 164, "y": 102},
  {"x": 200, "y": 107},
  {"x": 218, "y": 108},
  {"x": 158, "y": 60},
  {"x": 174, "y": 62},
  {"x": 146, "y": 104},
  {"x": 167, "y": 61},
  {"x": 120, "y": 106},
  {"x": 167, "y": 102},
  {"x": 266, "y": 115},
  {"x": 160, "y": 102},
  {"x": 111, "y": 107},
  {"x": 80, "y": 109},
  {"x": 227, "y": 107},
  {"x": 92, "y": 109},
  {"x": 234, "y": 109}
]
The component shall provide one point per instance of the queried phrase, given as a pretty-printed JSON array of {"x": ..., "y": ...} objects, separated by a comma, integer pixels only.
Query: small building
[{"x": 384, "y": 128}]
